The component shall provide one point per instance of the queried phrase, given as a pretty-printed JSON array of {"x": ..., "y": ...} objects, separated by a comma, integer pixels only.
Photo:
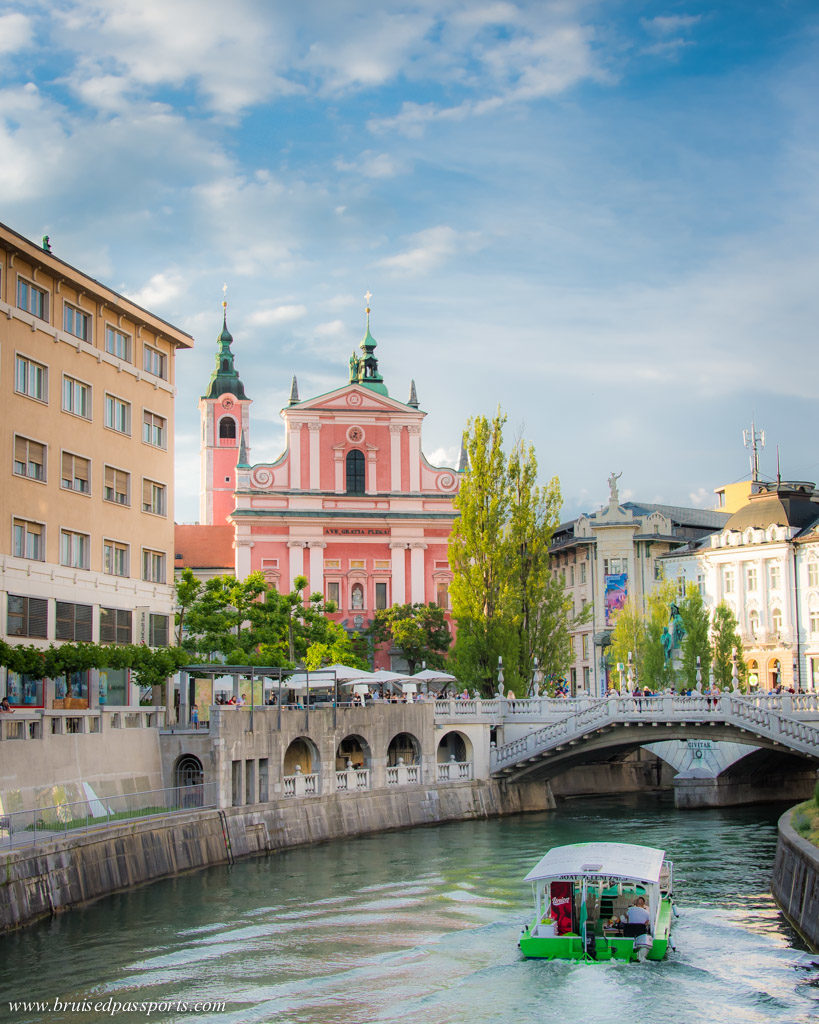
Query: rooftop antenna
[
  {"x": 778, "y": 473},
  {"x": 754, "y": 439}
]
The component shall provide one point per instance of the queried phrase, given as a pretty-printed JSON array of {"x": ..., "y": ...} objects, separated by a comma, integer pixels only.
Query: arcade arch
[
  {"x": 404, "y": 747},
  {"x": 454, "y": 746},
  {"x": 354, "y": 749},
  {"x": 304, "y": 753}
]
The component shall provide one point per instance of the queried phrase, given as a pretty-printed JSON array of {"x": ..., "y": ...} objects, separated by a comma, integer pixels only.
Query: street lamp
[
  {"x": 630, "y": 674},
  {"x": 734, "y": 672},
  {"x": 500, "y": 675}
]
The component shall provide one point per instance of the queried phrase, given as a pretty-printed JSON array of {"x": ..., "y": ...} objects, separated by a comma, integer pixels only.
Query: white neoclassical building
[{"x": 764, "y": 564}]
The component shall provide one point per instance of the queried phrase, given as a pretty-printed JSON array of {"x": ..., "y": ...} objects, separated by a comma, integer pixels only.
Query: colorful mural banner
[
  {"x": 562, "y": 906},
  {"x": 616, "y": 592}
]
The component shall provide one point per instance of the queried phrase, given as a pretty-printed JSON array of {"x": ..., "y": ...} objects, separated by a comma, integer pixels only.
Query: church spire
[
  {"x": 413, "y": 396},
  {"x": 225, "y": 378},
  {"x": 364, "y": 368},
  {"x": 294, "y": 392},
  {"x": 463, "y": 460}
]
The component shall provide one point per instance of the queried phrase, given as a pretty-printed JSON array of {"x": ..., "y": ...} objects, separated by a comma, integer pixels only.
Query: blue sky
[{"x": 601, "y": 216}]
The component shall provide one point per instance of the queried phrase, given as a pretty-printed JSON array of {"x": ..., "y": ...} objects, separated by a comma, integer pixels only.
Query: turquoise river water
[{"x": 422, "y": 926}]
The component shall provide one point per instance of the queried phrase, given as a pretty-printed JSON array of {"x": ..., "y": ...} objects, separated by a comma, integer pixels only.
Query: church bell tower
[{"x": 224, "y": 411}]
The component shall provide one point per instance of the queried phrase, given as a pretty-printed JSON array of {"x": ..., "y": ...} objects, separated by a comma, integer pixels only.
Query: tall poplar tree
[
  {"x": 697, "y": 643},
  {"x": 505, "y": 599},
  {"x": 477, "y": 554}
]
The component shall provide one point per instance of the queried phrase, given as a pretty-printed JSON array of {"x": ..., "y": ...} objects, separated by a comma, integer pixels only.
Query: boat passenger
[{"x": 637, "y": 914}]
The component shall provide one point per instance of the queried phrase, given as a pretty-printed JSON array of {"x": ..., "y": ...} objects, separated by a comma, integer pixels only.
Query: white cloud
[
  {"x": 668, "y": 24},
  {"x": 372, "y": 165},
  {"x": 430, "y": 248},
  {"x": 161, "y": 289},
  {"x": 330, "y": 329},
  {"x": 446, "y": 456},
  {"x": 15, "y": 32},
  {"x": 276, "y": 315},
  {"x": 702, "y": 498}
]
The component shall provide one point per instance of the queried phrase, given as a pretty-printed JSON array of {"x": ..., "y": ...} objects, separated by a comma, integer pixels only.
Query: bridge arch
[{"x": 404, "y": 747}]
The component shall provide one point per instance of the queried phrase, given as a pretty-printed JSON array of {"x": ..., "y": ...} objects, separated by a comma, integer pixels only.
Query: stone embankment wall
[
  {"x": 795, "y": 881},
  {"x": 38, "y": 881}
]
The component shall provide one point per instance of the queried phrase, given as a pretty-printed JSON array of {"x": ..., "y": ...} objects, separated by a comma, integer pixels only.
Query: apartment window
[
  {"x": 29, "y": 458},
  {"x": 74, "y": 549},
  {"x": 154, "y": 362},
  {"x": 582, "y": 572},
  {"x": 701, "y": 584},
  {"x": 114, "y": 558},
  {"x": 728, "y": 581},
  {"x": 776, "y": 621},
  {"x": 333, "y": 593},
  {"x": 32, "y": 299},
  {"x": 154, "y": 429},
  {"x": 813, "y": 574},
  {"x": 76, "y": 473},
  {"x": 814, "y": 621},
  {"x": 585, "y": 642},
  {"x": 442, "y": 595},
  {"x": 380, "y": 595},
  {"x": 774, "y": 576},
  {"x": 76, "y": 322},
  {"x": 753, "y": 624},
  {"x": 27, "y": 616},
  {"x": 117, "y": 486},
  {"x": 74, "y": 621},
  {"x": 115, "y": 626},
  {"x": 158, "y": 631},
  {"x": 153, "y": 566},
  {"x": 117, "y": 343},
  {"x": 76, "y": 397},
  {"x": 658, "y": 571},
  {"x": 28, "y": 540},
  {"x": 154, "y": 498},
  {"x": 117, "y": 414},
  {"x": 31, "y": 378},
  {"x": 751, "y": 577},
  {"x": 571, "y": 576}
]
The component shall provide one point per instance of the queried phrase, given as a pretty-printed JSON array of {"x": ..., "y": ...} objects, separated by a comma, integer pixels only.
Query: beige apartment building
[{"x": 86, "y": 503}]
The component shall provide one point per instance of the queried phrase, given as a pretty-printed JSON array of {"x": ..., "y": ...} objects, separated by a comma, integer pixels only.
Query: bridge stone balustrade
[{"x": 758, "y": 720}]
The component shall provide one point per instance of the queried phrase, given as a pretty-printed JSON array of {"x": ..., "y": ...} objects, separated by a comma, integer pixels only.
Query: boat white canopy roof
[{"x": 610, "y": 860}]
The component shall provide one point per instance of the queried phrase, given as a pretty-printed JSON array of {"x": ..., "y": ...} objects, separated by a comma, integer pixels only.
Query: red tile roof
[{"x": 204, "y": 547}]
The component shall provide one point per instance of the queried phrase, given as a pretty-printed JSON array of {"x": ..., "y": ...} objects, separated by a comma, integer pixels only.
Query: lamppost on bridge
[
  {"x": 630, "y": 674},
  {"x": 699, "y": 675},
  {"x": 734, "y": 672}
]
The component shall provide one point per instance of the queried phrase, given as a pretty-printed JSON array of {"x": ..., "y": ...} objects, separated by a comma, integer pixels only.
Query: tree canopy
[
  {"x": 418, "y": 631},
  {"x": 507, "y": 602}
]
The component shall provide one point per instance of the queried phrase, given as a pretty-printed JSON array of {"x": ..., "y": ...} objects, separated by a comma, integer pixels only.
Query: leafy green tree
[
  {"x": 505, "y": 599},
  {"x": 641, "y": 633},
  {"x": 628, "y": 637},
  {"x": 697, "y": 641},
  {"x": 418, "y": 631},
  {"x": 725, "y": 640},
  {"x": 477, "y": 555}
]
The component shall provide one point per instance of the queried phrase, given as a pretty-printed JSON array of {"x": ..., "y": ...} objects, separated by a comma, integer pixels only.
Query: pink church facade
[{"x": 351, "y": 503}]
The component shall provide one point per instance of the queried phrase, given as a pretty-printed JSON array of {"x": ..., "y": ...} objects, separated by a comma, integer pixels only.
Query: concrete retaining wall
[
  {"x": 795, "y": 881},
  {"x": 68, "y": 872}
]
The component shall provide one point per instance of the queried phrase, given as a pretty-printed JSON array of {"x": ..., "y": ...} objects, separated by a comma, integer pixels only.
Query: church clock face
[
  {"x": 227, "y": 402},
  {"x": 355, "y": 435}
]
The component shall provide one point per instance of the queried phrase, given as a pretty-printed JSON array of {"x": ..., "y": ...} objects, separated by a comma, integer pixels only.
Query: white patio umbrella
[
  {"x": 346, "y": 674},
  {"x": 434, "y": 675}
]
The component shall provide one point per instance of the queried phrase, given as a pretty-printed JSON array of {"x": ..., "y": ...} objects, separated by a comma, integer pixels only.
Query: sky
[{"x": 599, "y": 216}]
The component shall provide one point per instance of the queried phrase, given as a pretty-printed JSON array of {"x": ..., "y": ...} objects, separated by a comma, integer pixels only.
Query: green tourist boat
[{"x": 600, "y": 901}]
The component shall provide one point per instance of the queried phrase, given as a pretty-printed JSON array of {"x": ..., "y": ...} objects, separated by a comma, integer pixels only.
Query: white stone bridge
[{"x": 543, "y": 737}]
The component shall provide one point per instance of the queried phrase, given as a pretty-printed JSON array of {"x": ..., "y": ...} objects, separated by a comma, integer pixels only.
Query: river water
[{"x": 422, "y": 926}]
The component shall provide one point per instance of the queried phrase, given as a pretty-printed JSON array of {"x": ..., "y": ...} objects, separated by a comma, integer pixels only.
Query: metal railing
[{"x": 39, "y": 824}]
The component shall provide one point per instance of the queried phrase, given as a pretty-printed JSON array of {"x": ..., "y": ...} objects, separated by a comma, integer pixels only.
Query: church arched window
[
  {"x": 227, "y": 427},
  {"x": 355, "y": 472}
]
